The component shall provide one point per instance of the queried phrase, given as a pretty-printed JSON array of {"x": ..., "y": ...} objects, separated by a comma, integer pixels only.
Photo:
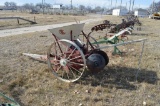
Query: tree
[
  {"x": 11, "y": 5},
  {"x": 89, "y": 8},
  {"x": 40, "y": 5},
  {"x": 122, "y": 7},
  {"x": 154, "y": 7},
  {"x": 66, "y": 7},
  {"x": 29, "y": 6},
  {"x": 45, "y": 5},
  {"x": 6, "y": 4},
  {"x": 98, "y": 9},
  {"x": 82, "y": 7}
]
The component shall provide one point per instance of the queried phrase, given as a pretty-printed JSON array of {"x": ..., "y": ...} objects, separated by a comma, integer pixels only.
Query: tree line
[
  {"x": 31, "y": 6},
  {"x": 154, "y": 7}
]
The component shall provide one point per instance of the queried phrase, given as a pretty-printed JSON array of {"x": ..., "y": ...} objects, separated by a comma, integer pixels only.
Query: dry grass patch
[
  {"x": 31, "y": 83},
  {"x": 39, "y": 18}
]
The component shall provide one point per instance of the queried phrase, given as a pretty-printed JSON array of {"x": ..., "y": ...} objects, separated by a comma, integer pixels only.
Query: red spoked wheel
[{"x": 66, "y": 60}]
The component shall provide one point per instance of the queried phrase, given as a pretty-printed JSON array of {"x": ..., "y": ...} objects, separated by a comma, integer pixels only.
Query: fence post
[
  {"x": 34, "y": 19},
  {"x": 18, "y": 20}
]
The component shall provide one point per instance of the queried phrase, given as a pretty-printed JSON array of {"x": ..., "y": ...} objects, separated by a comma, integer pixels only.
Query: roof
[
  {"x": 57, "y": 4},
  {"x": 140, "y": 9}
]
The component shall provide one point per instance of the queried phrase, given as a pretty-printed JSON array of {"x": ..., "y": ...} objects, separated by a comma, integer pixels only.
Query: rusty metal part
[
  {"x": 106, "y": 22},
  {"x": 100, "y": 27},
  {"x": 121, "y": 26}
]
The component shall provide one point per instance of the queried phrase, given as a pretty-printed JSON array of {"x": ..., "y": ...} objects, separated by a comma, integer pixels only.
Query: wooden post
[
  {"x": 18, "y": 20},
  {"x": 34, "y": 19}
]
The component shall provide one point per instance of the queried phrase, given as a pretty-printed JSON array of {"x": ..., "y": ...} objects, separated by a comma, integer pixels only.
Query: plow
[
  {"x": 69, "y": 56},
  {"x": 130, "y": 21}
]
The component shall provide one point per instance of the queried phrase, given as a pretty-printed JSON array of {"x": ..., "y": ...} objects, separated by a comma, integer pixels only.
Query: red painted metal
[{"x": 57, "y": 42}]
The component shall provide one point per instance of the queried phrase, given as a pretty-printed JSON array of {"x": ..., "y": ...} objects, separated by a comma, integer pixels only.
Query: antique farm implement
[
  {"x": 112, "y": 39},
  {"x": 14, "y": 103},
  {"x": 129, "y": 22},
  {"x": 68, "y": 56}
]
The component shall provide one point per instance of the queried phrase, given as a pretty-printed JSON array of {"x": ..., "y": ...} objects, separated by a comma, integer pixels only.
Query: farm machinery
[
  {"x": 13, "y": 102},
  {"x": 68, "y": 56},
  {"x": 130, "y": 21}
]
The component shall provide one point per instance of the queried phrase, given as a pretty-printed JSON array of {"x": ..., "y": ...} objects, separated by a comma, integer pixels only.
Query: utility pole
[
  {"x": 121, "y": 4},
  {"x": 129, "y": 6},
  {"x": 111, "y": 3},
  {"x": 71, "y": 5},
  {"x": 133, "y": 4},
  {"x": 43, "y": 6},
  {"x": 126, "y": 4},
  {"x": 153, "y": 7},
  {"x": 116, "y": 4}
]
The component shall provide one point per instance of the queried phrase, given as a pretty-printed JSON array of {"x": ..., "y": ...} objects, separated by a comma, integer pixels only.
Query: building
[
  {"x": 141, "y": 13},
  {"x": 108, "y": 12},
  {"x": 57, "y": 6},
  {"x": 119, "y": 12}
]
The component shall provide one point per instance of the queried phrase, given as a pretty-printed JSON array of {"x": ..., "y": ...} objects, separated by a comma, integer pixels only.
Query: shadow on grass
[{"x": 119, "y": 77}]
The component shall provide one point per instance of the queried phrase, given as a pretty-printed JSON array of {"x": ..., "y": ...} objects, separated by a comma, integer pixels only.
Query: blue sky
[{"x": 92, "y": 3}]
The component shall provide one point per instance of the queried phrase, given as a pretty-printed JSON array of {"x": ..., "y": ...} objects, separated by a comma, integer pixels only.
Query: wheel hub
[{"x": 63, "y": 62}]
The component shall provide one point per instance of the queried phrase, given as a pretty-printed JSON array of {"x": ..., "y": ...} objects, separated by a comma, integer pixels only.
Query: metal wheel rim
[{"x": 54, "y": 72}]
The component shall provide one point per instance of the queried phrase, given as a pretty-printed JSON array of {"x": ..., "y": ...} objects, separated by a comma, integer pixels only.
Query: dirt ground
[{"x": 31, "y": 83}]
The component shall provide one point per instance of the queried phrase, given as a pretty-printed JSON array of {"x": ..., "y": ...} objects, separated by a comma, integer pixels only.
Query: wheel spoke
[
  {"x": 55, "y": 61},
  {"x": 76, "y": 63},
  {"x": 63, "y": 73},
  {"x": 55, "y": 64},
  {"x": 67, "y": 75},
  {"x": 72, "y": 72},
  {"x": 66, "y": 49},
  {"x": 76, "y": 70},
  {"x": 75, "y": 58},
  {"x": 58, "y": 55},
  {"x": 59, "y": 68},
  {"x": 71, "y": 53},
  {"x": 60, "y": 52}
]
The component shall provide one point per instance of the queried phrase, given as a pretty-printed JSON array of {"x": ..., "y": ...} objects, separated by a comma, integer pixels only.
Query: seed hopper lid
[{"x": 70, "y": 32}]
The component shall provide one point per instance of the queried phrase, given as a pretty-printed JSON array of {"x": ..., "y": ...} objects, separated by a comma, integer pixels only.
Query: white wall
[
  {"x": 141, "y": 13},
  {"x": 56, "y": 7},
  {"x": 118, "y": 12}
]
